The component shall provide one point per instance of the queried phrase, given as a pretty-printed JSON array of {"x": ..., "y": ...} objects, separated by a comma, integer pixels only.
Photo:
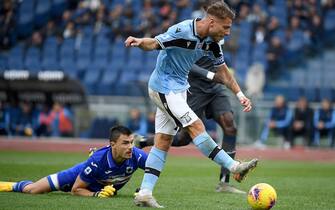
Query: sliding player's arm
[{"x": 80, "y": 188}]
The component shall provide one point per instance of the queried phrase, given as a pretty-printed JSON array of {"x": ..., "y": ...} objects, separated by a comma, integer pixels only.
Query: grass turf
[{"x": 186, "y": 183}]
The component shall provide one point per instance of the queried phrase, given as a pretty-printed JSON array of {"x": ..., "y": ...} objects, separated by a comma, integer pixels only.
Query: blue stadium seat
[
  {"x": 119, "y": 51},
  {"x": 144, "y": 76},
  {"x": 290, "y": 93},
  {"x": 329, "y": 27},
  {"x": 329, "y": 24},
  {"x": 84, "y": 54},
  {"x": 128, "y": 77},
  {"x": 298, "y": 78},
  {"x": 311, "y": 94},
  {"x": 259, "y": 53},
  {"x": 148, "y": 67},
  {"x": 58, "y": 7},
  {"x": 314, "y": 78},
  {"x": 42, "y": 12},
  {"x": 100, "y": 127},
  {"x": 151, "y": 56},
  {"x": 133, "y": 65},
  {"x": 108, "y": 81},
  {"x": 185, "y": 13},
  {"x": 136, "y": 54},
  {"x": 329, "y": 58},
  {"x": 50, "y": 43},
  {"x": 327, "y": 92},
  {"x": 15, "y": 57},
  {"x": 297, "y": 41},
  {"x": 3, "y": 62},
  {"x": 101, "y": 62},
  {"x": 69, "y": 67},
  {"x": 50, "y": 62},
  {"x": 91, "y": 79},
  {"x": 329, "y": 77},
  {"x": 67, "y": 48},
  {"x": 32, "y": 60}
]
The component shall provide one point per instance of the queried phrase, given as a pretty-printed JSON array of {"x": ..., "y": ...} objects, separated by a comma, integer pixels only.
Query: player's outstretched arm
[
  {"x": 80, "y": 188},
  {"x": 223, "y": 76},
  {"x": 143, "y": 43}
]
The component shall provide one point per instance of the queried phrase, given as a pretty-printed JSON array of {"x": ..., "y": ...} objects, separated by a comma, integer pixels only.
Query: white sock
[
  {"x": 233, "y": 166},
  {"x": 145, "y": 192}
]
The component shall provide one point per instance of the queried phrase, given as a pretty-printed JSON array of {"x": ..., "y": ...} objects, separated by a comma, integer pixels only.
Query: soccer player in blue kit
[
  {"x": 181, "y": 46},
  {"x": 105, "y": 172}
]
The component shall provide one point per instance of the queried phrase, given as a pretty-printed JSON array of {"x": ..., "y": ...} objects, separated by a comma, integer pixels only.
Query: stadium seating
[{"x": 99, "y": 59}]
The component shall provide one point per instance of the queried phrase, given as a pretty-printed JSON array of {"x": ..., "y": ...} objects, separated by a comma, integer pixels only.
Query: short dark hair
[
  {"x": 220, "y": 10},
  {"x": 117, "y": 131}
]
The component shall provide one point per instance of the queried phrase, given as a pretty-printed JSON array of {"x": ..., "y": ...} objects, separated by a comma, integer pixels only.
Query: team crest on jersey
[
  {"x": 129, "y": 170},
  {"x": 178, "y": 30}
]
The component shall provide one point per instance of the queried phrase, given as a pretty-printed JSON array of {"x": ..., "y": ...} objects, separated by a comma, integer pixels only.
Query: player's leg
[
  {"x": 196, "y": 129},
  {"x": 165, "y": 128},
  {"x": 220, "y": 110},
  {"x": 226, "y": 122},
  {"x": 180, "y": 139},
  {"x": 26, "y": 186},
  {"x": 39, "y": 187}
]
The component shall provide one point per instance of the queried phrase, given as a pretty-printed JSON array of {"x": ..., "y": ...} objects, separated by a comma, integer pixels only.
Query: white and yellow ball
[{"x": 262, "y": 196}]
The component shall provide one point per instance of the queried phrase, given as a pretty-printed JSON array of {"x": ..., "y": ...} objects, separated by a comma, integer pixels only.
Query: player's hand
[
  {"x": 133, "y": 41},
  {"x": 106, "y": 192},
  {"x": 246, "y": 103},
  {"x": 92, "y": 151},
  {"x": 136, "y": 192}
]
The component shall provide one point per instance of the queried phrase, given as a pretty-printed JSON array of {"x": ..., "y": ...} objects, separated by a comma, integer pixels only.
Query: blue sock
[
  {"x": 18, "y": 187},
  {"x": 153, "y": 166},
  {"x": 210, "y": 149}
]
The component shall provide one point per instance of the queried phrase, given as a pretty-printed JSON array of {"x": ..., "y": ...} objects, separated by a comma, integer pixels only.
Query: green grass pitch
[{"x": 186, "y": 183}]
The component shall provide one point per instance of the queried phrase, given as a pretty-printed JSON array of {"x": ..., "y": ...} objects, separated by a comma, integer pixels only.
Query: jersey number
[{"x": 87, "y": 170}]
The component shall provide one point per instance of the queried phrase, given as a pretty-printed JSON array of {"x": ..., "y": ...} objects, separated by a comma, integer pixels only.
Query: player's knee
[
  {"x": 163, "y": 141},
  {"x": 195, "y": 129},
  {"x": 182, "y": 139},
  {"x": 32, "y": 189},
  {"x": 231, "y": 130},
  {"x": 228, "y": 124}
]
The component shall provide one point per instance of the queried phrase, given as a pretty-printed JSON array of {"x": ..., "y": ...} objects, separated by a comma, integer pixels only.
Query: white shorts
[{"x": 172, "y": 112}]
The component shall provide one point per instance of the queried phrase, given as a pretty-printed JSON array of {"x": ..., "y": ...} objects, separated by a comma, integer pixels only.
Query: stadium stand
[{"x": 84, "y": 39}]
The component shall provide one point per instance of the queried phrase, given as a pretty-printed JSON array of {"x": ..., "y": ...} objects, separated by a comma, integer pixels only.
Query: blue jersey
[
  {"x": 181, "y": 48},
  {"x": 101, "y": 170}
]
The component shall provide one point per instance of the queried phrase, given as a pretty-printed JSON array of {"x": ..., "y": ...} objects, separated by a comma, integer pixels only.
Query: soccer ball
[{"x": 262, "y": 196}]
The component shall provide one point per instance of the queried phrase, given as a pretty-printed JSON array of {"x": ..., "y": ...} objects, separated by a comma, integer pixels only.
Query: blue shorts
[{"x": 63, "y": 180}]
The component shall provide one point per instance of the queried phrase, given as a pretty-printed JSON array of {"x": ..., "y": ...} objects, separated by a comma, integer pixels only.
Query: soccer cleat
[
  {"x": 146, "y": 201},
  {"x": 241, "y": 170},
  {"x": 226, "y": 187},
  {"x": 138, "y": 139},
  {"x": 6, "y": 186}
]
